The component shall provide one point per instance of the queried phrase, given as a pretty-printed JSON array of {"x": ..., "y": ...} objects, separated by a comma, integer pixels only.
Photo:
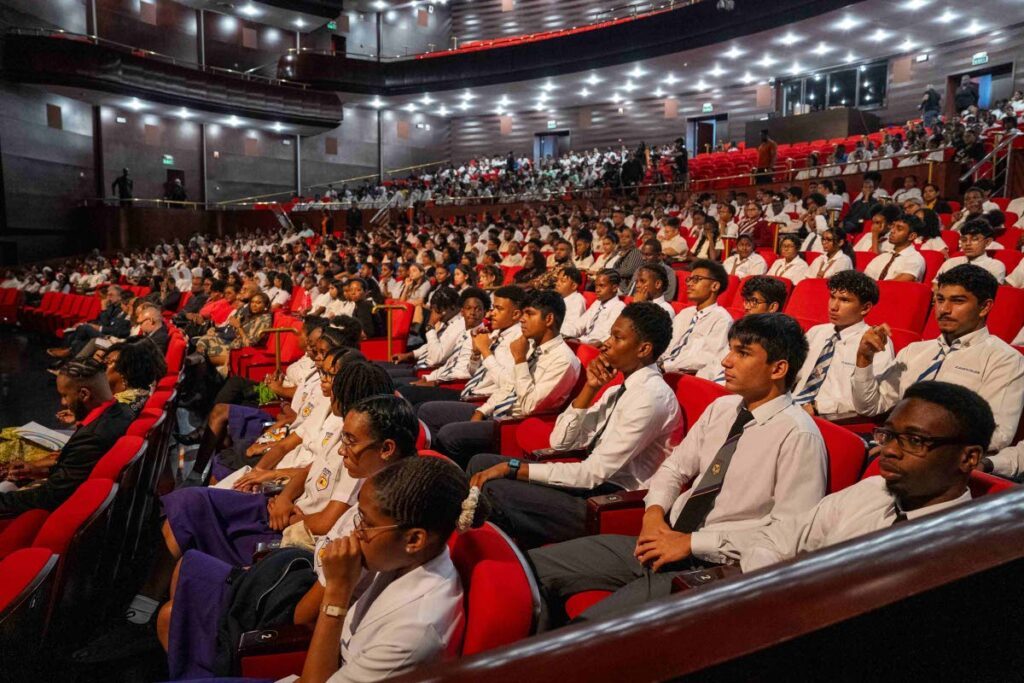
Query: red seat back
[
  {"x": 809, "y": 301},
  {"x": 695, "y": 395},
  {"x": 845, "y": 455},
  {"x": 902, "y": 304},
  {"x": 501, "y": 598},
  {"x": 125, "y": 451},
  {"x": 86, "y": 504},
  {"x": 19, "y": 573}
]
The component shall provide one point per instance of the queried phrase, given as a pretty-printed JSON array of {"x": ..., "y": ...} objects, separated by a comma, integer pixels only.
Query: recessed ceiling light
[
  {"x": 584, "y": 93},
  {"x": 278, "y": 127},
  {"x": 250, "y": 10},
  {"x": 659, "y": 92},
  {"x": 184, "y": 113},
  {"x": 630, "y": 86},
  {"x": 717, "y": 72},
  {"x": 380, "y": 4},
  {"x": 767, "y": 60},
  {"x": 973, "y": 28},
  {"x": 592, "y": 79},
  {"x": 547, "y": 87},
  {"x": 914, "y": 5},
  {"x": 670, "y": 79},
  {"x": 847, "y": 23},
  {"x": 504, "y": 101},
  {"x": 411, "y": 106},
  {"x": 879, "y": 35},
  {"x": 796, "y": 68},
  {"x": 734, "y": 52},
  {"x": 747, "y": 78},
  {"x": 443, "y": 111},
  {"x": 637, "y": 72},
  {"x": 234, "y": 121},
  {"x": 299, "y": 23},
  {"x": 427, "y": 99},
  {"x": 468, "y": 95},
  {"x": 907, "y": 45},
  {"x": 376, "y": 103},
  {"x": 136, "y": 104},
  {"x": 849, "y": 58},
  {"x": 822, "y": 49},
  {"x": 616, "y": 98},
  {"x": 789, "y": 39},
  {"x": 947, "y": 16},
  {"x": 465, "y": 105},
  {"x": 702, "y": 85}
]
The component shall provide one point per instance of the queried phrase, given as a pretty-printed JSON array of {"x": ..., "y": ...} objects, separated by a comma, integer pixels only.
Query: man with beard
[{"x": 48, "y": 482}]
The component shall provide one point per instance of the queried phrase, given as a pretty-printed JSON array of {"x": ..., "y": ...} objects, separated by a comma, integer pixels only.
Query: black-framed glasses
[
  {"x": 694, "y": 279},
  {"x": 361, "y": 531},
  {"x": 913, "y": 444},
  {"x": 753, "y": 302},
  {"x": 326, "y": 375}
]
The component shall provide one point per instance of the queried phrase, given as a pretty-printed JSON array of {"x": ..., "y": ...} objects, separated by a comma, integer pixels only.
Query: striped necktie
[
  {"x": 453, "y": 360},
  {"x": 593, "y": 320},
  {"x": 686, "y": 335},
  {"x": 933, "y": 370},
  {"x": 504, "y": 409},
  {"x": 817, "y": 377},
  {"x": 481, "y": 372}
]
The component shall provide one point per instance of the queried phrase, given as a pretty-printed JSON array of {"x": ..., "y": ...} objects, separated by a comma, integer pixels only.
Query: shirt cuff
[
  {"x": 539, "y": 472},
  {"x": 704, "y": 544}
]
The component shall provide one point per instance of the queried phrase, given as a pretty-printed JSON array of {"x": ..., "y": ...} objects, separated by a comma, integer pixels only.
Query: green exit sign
[
  {"x": 332, "y": 26},
  {"x": 707, "y": 108},
  {"x": 979, "y": 58},
  {"x": 168, "y": 160}
]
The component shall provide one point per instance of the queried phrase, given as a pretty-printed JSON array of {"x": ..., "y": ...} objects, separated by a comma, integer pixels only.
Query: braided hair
[
  {"x": 390, "y": 417},
  {"x": 357, "y": 379},
  {"x": 427, "y": 493}
]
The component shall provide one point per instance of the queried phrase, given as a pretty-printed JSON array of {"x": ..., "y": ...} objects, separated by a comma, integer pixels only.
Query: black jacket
[
  {"x": 161, "y": 337},
  {"x": 79, "y": 455},
  {"x": 113, "y": 322}
]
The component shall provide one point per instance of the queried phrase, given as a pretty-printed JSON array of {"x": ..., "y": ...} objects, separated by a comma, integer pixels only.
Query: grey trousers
[
  {"x": 532, "y": 513},
  {"x": 453, "y": 434},
  {"x": 604, "y": 562}
]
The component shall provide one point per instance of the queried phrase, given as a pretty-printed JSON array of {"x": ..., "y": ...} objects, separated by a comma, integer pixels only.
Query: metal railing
[
  {"x": 150, "y": 54},
  {"x": 993, "y": 158}
]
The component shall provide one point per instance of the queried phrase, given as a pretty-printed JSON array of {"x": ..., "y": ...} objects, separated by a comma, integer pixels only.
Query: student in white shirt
[
  {"x": 544, "y": 372},
  {"x": 904, "y": 263},
  {"x": 964, "y": 353},
  {"x": 321, "y": 297},
  {"x": 567, "y": 284},
  {"x": 699, "y": 332},
  {"x": 444, "y": 334},
  {"x": 814, "y": 221},
  {"x": 975, "y": 237},
  {"x": 673, "y": 246},
  {"x": 930, "y": 443},
  {"x": 412, "y": 611},
  {"x": 745, "y": 261},
  {"x": 378, "y": 431},
  {"x": 595, "y": 325},
  {"x": 823, "y": 384},
  {"x": 338, "y": 305},
  {"x": 1016, "y": 277},
  {"x": 909, "y": 189},
  {"x": 626, "y": 435},
  {"x": 281, "y": 293},
  {"x": 877, "y": 240},
  {"x": 790, "y": 265},
  {"x": 650, "y": 286},
  {"x": 837, "y": 256},
  {"x": 770, "y": 449},
  {"x": 461, "y": 364}
]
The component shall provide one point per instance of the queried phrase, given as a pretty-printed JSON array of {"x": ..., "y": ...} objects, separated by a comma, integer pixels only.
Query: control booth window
[{"x": 861, "y": 86}]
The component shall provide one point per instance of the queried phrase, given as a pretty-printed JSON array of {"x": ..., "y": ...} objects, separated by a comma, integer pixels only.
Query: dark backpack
[{"x": 263, "y": 597}]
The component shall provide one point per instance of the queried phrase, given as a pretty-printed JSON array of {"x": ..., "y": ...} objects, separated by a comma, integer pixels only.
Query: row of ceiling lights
[{"x": 137, "y": 105}]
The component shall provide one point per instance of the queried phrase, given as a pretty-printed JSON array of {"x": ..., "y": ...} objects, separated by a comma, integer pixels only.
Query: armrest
[
  {"x": 616, "y": 513},
  {"x": 268, "y": 641},
  {"x": 550, "y": 454}
]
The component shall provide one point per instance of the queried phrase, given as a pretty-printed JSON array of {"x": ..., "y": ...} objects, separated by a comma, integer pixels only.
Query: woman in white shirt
[
  {"x": 790, "y": 266},
  {"x": 583, "y": 258},
  {"x": 607, "y": 252},
  {"x": 837, "y": 255},
  {"x": 281, "y": 292},
  {"x": 412, "y": 611},
  {"x": 930, "y": 238}
]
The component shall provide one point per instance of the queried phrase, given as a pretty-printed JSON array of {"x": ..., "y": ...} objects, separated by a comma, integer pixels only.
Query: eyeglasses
[
  {"x": 694, "y": 279},
  {"x": 349, "y": 443},
  {"x": 361, "y": 531},
  {"x": 326, "y": 375},
  {"x": 753, "y": 302},
  {"x": 912, "y": 444}
]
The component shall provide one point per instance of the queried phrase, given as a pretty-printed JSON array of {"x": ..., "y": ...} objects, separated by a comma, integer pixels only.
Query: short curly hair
[{"x": 652, "y": 324}]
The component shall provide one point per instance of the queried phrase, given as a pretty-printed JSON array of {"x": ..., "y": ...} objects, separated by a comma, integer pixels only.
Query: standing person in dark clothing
[
  {"x": 122, "y": 187},
  {"x": 930, "y": 106},
  {"x": 966, "y": 95},
  {"x": 767, "y": 151},
  {"x": 682, "y": 159},
  {"x": 632, "y": 171},
  {"x": 85, "y": 392}
]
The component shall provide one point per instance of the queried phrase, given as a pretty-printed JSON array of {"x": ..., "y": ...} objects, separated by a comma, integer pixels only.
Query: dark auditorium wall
[
  {"x": 166, "y": 27},
  {"x": 244, "y": 163},
  {"x": 488, "y": 19},
  {"x": 46, "y": 171},
  {"x": 42, "y": 14},
  {"x": 140, "y": 145},
  {"x": 403, "y": 34}
]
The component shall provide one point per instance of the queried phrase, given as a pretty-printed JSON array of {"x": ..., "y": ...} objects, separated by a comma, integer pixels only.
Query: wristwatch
[
  {"x": 513, "y": 468},
  {"x": 336, "y": 611}
]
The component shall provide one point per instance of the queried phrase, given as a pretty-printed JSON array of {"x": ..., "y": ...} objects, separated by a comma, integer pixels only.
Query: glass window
[
  {"x": 873, "y": 78},
  {"x": 791, "y": 96},
  {"x": 814, "y": 92},
  {"x": 842, "y": 88}
]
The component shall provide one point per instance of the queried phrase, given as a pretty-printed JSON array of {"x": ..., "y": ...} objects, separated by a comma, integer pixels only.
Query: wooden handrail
[
  {"x": 387, "y": 316},
  {"x": 695, "y": 630},
  {"x": 277, "y": 344}
]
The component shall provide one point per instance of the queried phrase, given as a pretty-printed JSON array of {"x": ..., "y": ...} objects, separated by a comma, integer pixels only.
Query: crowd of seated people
[{"x": 590, "y": 329}]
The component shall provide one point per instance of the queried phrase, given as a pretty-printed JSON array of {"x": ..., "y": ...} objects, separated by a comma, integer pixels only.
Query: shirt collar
[
  {"x": 968, "y": 340},
  {"x": 855, "y": 330},
  {"x": 766, "y": 411},
  {"x": 95, "y": 413},
  {"x": 964, "y": 497},
  {"x": 642, "y": 375},
  {"x": 550, "y": 344}
]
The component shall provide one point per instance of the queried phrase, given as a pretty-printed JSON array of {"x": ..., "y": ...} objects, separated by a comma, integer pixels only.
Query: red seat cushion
[
  {"x": 17, "y": 571},
  {"x": 64, "y": 522},
  {"x": 20, "y": 531},
  {"x": 581, "y": 602}
]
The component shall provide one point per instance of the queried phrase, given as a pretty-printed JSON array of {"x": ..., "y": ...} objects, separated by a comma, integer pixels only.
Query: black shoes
[
  {"x": 123, "y": 641},
  {"x": 191, "y": 439}
]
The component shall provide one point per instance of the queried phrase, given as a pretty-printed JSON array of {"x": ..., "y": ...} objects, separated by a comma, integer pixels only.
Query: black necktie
[
  {"x": 901, "y": 517},
  {"x": 607, "y": 418},
  {"x": 701, "y": 501}
]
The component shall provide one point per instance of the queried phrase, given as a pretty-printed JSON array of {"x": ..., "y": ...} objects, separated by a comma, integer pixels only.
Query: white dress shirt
[
  {"x": 742, "y": 267},
  {"x": 855, "y": 511},
  {"x": 864, "y": 243},
  {"x": 813, "y": 240},
  {"x": 556, "y": 369},
  {"x": 339, "y": 307},
  {"x": 997, "y": 268},
  {"x": 827, "y": 266},
  {"x": 296, "y": 373},
  {"x": 441, "y": 343},
  {"x": 1016, "y": 277},
  {"x": 665, "y": 306},
  {"x": 311, "y": 431},
  {"x": 326, "y": 471},
  {"x": 794, "y": 271},
  {"x": 835, "y": 396},
  {"x": 1009, "y": 462},
  {"x": 321, "y": 301},
  {"x": 906, "y": 262},
  {"x": 596, "y": 325},
  {"x": 498, "y": 366},
  {"x": 575, "y": 309},
  {"x": 639, "y": 430},
  {"x": 706, "y": 344},
  {"x": 780, "y": 466},
  {"x": 459, "y": 365},
  {"x": 677, "y": 243},
  {"x": 984, "y": 364}
]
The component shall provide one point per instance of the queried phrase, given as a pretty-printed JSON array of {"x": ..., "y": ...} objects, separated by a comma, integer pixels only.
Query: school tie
[
  {"x": 686, "y": 335},
  {"x": 901, "y": 517},
  {"x": 933, "y": 369},
  {"x": 593, "y": 320},
  {"x": 817, "y": 377},
  {"x": 479, "y": 375},
  {"x": 735, "y": 265},
  {"x": 719, "y": 378},
  {"x": 885, "y": 271},
  {"x": 453, "y": 360},
  {"x": 607, "y": 418},
  {"x": 700, "y": 503},
  {"x": 824, "y": 268},
  {"x": 504, "y": 409}
]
